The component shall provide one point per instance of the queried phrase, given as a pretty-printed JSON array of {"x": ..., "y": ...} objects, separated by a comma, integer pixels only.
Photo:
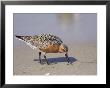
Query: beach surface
[{"x": 83, "y": 58}]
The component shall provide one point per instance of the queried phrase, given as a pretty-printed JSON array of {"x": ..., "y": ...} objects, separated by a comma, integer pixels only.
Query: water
[{"x": 70, "y": 27}]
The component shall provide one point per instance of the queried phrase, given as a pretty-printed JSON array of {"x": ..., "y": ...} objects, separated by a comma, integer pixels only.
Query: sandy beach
[{"x": 83, "y": 59}]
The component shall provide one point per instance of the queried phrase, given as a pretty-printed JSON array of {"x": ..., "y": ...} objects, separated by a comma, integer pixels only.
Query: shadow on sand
[{"x": 59, "y": 59}]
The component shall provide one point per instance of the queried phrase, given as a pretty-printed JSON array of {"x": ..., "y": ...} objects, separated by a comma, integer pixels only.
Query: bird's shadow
[{"x": 60, "y": 59}]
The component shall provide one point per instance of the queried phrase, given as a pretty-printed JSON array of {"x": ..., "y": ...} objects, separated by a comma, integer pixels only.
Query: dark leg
[
  {"x": 46, "y": 59},
  {"x": 66, "y": 55},
  {"x": 40, "y": 57}
]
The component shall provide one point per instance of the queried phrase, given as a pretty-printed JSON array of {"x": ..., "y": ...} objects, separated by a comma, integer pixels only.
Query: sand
[{"x": 83, "y": 59}]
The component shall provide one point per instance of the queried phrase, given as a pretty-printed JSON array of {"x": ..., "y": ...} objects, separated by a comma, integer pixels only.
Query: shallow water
[{"x": 71, "y": 28}]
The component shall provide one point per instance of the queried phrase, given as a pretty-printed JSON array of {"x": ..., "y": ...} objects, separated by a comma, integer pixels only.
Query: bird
[{"x": 45, "y": 43}]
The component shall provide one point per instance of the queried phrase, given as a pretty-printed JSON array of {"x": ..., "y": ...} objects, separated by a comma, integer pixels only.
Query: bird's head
[{"x": 63, "y": 48}]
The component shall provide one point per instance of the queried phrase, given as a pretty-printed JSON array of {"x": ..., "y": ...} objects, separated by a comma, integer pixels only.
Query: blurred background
[{"x": 72, "y": 28}]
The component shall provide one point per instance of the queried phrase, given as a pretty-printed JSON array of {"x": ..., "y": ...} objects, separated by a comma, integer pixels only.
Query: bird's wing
[
  {"x": 44, "y": 40},
  {"x": 51, "y": 39},
  {"x": 54, "y": 40}
]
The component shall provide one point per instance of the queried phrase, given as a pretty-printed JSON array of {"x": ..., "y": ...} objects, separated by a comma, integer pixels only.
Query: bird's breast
[{"x": 51, "y": 49}]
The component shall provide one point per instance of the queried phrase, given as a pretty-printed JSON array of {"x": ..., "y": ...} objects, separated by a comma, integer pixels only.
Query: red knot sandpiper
[{"x": 46, "y": 43}]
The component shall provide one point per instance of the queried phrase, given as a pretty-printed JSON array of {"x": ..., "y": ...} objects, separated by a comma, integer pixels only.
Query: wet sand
[{"x": 83, "y": 58}]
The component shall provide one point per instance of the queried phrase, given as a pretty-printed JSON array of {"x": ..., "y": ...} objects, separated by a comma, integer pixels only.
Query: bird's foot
[
  {"x": 35, "y": 60},
  {"x": 46, "y": 59},
  {"x": 41, "y": 63},
  {"x": 67, "y": 58},
  {"x": 48, "y": 63}
]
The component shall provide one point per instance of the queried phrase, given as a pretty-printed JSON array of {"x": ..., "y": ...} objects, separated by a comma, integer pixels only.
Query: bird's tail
[
  {"x": 24, "y": 38},
  {"x": 28, "y": 40}
]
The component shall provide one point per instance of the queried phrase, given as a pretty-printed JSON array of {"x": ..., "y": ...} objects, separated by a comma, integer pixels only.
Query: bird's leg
[
  {"x": 46, "y": 58},
  {"x": 66, "y": 55},
  {"x": 40, "y": 57}
]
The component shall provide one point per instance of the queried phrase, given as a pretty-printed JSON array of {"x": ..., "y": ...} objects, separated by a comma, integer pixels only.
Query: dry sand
[{"x": 83, "y": 59}]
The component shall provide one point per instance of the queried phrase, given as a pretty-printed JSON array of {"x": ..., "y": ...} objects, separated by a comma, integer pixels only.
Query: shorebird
[{"x": 46, "y": 43}]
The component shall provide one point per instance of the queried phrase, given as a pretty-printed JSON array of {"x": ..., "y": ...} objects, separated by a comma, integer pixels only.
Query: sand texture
[{"x": 83, "y": 59}]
